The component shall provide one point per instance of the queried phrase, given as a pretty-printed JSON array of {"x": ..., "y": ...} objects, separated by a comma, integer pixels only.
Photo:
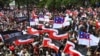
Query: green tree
[
  {"x": 49, "y": 3},
  {"x": 5, "y": 2}
]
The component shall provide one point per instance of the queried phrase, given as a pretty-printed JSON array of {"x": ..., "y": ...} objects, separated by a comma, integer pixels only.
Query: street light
[{"x": 86, "y": 3}]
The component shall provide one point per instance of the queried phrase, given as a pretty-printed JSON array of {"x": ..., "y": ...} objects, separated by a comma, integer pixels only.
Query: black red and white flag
[
  {"x": 69, "y": 49},
  {"x": 24, "y": 39},
  {"x": 47, "y": 42},
  {"x": 53, "y": 34},
  {"x": 32, "y": 31}
]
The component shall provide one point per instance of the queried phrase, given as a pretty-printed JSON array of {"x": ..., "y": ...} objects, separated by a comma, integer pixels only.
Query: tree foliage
[
  {"x": 50, "y": 3},
  {"x": 5, "y": 2}
]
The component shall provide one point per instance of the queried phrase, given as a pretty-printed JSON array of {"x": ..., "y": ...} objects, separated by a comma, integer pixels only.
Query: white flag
[{"x": 93, "y": 41}]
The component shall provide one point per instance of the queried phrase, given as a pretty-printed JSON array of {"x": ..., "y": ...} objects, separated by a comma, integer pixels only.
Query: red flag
[
  {"x": 21, "y": 42},
  {"x": 48, "y": 43},
  {"x": 46, "y": 30},
  {"x": 45, "y": 42},
  {"x": 32, "y": 31},
  {"x": 69, "y": 49},
  {"x": 53, "y": 34},
  {"x": 12, "y": 48}
]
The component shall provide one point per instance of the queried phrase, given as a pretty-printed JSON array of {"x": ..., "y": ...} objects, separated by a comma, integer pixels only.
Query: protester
[{"x": 76, "y": 20}]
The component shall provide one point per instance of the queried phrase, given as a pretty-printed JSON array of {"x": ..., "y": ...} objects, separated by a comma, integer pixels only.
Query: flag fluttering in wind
[
  {"x": 94, "y": 40},
  {"x": 53, "y": 34},
  {"x": 84, "y": 38},
  {"x": 47, "y": 42},
  {"x": 9, "y": 36},
  {"x": 24, "y": 39},
  {"x": 69, "y": 49},
  {"x": 32, "y": 31},
  {"x": 21, "y": 42},
  {"x": 41, "y": 16},
  {"x": 32, "y": 22},
  {"x": 87, "y": 39},
  {"x": 58, "y": 21}
]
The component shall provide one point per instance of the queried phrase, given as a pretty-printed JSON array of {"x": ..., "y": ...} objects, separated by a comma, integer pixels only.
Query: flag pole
[
  {"x": 96, "y": 52},
  {"x": 89, "y": 52}
]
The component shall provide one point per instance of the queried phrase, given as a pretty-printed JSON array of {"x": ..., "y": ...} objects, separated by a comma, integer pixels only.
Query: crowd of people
[{"x": 78, "y": 19}]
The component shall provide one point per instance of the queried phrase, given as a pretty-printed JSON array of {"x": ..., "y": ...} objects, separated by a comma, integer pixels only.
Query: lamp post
[{"x": 86, "y": 3}]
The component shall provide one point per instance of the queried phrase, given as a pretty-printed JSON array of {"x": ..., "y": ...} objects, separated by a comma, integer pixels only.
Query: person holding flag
[
  {"x": 41, "y": 17},
  {"x": 47, "y": 17},
  {"x": 34, "y": 19},
  {"x": 67, "y": 20}
]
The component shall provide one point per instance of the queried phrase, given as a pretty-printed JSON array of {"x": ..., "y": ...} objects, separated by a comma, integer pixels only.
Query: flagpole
[
  {"x": 96, "y": 52},
  {"x": 89, "y": 52}
]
